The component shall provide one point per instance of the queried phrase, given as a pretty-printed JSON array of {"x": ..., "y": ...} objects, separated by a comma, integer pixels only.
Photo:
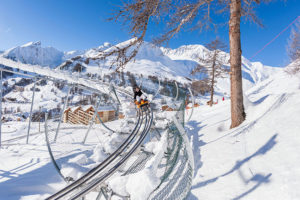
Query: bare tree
[
  {"x": 187, "y": 15},
  {"x": 212, "y": 64},
  {"x": 294, "y": 49},
  {"x": 294, "y": 43},
  {"x": 200, "y": 86}
]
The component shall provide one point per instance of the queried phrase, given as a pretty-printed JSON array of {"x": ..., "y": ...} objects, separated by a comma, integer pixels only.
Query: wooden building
[
  {"x": 167, "y": 108},
  {"x": 84, "y": 114}
]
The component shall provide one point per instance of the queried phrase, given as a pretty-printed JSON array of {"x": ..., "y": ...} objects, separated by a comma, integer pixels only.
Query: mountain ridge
[{"x": 164, "y": 63}]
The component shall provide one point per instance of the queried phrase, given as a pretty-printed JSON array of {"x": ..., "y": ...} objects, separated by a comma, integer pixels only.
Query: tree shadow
[
  {"x": 261, "y": 151},
  {"x": 37, "y": 181},
  {"x": 279, "y": 101},
  {"x": 34, "y": 182},
  {"x": 260, "y": 100},
  {"x": 257, "y": 178},
  {"x": 260, "y": 179},
  {"x": 13, "y": 172},
  {"x": 196, "y": 142}
]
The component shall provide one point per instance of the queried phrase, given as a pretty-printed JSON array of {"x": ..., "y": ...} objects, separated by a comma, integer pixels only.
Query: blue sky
[{"x": 80, "y": 24}]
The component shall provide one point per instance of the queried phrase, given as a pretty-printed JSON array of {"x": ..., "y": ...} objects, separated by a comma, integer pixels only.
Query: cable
[{"x": 274, "y": 38}]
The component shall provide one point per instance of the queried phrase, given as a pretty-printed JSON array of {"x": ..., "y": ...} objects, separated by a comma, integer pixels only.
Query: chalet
[
  {"x": 190, "y": 106},
  {"x": 167, "y": 108},
  {"x": 84, "y": 114}
]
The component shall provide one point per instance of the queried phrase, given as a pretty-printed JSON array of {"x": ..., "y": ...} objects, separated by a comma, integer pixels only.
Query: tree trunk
[
  {"x": 237, "y": 107},
  {"x": 211, "y": 92},
  {"x": 212, "y": 80}
]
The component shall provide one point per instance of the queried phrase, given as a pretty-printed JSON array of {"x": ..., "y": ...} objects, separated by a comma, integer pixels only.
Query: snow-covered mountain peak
[
  {"x": 186, "y": 52},
  {"x": 34, "y": 53},
  {"x": 151, "y": 60},
  {"x": 32, "y": 44},
  {"x": 107, "y": 44}
]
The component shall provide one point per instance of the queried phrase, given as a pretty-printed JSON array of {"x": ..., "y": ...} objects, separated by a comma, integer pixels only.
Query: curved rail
[
  {"x": 98, "y": 168},
  {"x": 89, "y": 178},
  {"x": 119, "y": 163}
]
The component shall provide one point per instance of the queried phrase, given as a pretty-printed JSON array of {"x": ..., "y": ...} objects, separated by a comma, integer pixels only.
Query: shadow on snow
[{"x": 258, "y": 178}]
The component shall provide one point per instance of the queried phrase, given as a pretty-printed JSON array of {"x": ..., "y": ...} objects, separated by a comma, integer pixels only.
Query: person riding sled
[{"x": 139, "y": 97}]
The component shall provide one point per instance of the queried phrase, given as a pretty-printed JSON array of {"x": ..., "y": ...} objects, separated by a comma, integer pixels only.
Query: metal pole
[
  {"x": 40, "y": 119},
  {"x": 176, "y": 91},
  {"x": 30, "y": 114},
  {"x": 62, "y": 114},
  {"x": 93, "y": 118},
  {"x": 102, "y": 123},
  {"x": 0, "y": 106},
  {"x": 49, "y": 149},
  {"x": 158, "y": 89},
  {"x": 112, "y": 89}
]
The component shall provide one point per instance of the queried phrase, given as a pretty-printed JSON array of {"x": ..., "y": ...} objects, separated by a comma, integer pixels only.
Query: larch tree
[
  {"x": 294, "y": 43},
  {"x": 212, "y": 64},
  {"x": 294, "y": 49},
  {"x": 185, "y": 15}
]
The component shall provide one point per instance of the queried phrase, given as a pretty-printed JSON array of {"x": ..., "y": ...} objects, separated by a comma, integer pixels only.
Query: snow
[
  {"x": 34, "y": 53},
  {"x": 28, "y": 173},
  {"x": 257, "y": 160},
  {"x": 131, "y": 184},
  {"x": 164, "y": 63}
]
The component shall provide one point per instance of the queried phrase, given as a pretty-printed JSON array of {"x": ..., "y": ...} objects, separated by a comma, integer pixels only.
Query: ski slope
[{"x": 259, "y": 159}]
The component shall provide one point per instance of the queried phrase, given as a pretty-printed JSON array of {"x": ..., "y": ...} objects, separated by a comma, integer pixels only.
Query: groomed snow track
[{"x": 178, "y": 163}]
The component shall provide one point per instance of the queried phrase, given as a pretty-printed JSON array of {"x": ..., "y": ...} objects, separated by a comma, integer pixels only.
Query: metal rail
[
  {"x": 101, "y": 166},
  {"x": 89, "y": 188}
]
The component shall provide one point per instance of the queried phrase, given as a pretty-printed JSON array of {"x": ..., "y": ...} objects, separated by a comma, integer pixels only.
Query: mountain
[
  {"x": 163, "y": 63},
  {"x": 252, "y": 72},
  {"x": 34, "y": 53}
]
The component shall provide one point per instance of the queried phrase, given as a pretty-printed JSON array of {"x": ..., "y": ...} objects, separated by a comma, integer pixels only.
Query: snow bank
[{"x": 131, "y": 184}]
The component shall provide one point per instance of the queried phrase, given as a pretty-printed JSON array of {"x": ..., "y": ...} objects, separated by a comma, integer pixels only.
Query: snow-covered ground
[
  {"x": 259, "y": 159},
  {"x": 26, "y": 171}
]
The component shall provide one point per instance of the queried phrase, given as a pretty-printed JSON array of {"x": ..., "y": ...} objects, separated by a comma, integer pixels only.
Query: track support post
[
  {"x": 93, "y": 119},
  {"x": 62, "y": 114},
  {"x": 30, "y": 114}
]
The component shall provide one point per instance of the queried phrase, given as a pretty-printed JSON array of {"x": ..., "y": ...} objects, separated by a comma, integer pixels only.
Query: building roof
[
  {"x": 75, "y": 108},
  {"x": 86, "y": 107},
  {"x": 106, "y": 108}
]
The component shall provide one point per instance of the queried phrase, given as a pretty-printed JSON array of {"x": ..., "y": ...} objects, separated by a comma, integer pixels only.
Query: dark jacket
[{"x": 139, "y": 93}]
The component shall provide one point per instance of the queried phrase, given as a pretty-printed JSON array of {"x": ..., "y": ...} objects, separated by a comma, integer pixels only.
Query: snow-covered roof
[
  {"x": 75, "y": 108},
  {"x": 68, "y": 109},
  {"x": 86, "y": 107},
  {"x": 106, "y": 108}
]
